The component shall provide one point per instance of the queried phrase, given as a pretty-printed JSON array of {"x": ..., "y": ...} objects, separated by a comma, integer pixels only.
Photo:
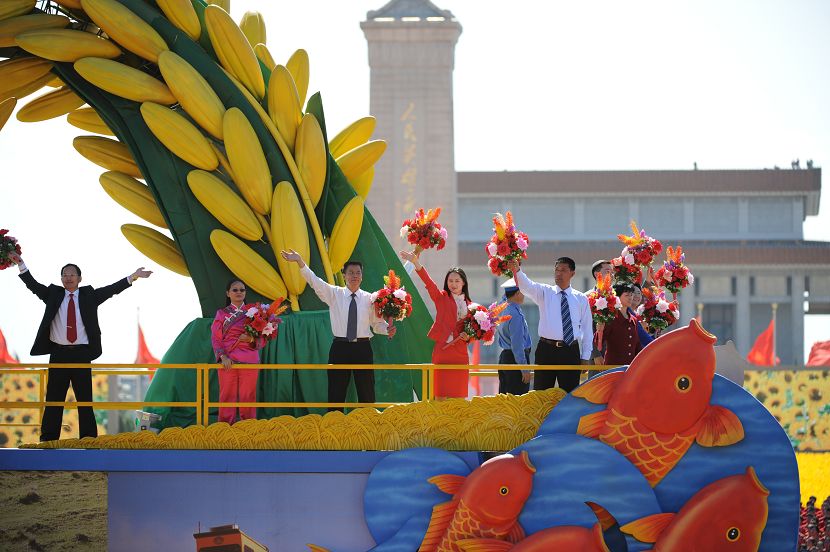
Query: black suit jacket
[{"x": 89, "y": 299}]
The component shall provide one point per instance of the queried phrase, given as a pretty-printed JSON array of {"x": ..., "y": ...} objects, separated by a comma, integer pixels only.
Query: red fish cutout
[
  {"x": 485, "y": 504},
  {"x": 727, "y": 515},
  {"x": 659, "y": 405}
]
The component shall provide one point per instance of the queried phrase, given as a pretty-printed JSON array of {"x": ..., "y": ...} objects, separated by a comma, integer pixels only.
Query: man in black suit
[{"x": 69, "y": 334}]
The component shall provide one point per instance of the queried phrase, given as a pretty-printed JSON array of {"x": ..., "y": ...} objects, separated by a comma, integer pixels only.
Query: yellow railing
[{"x": 202, "y": 402}]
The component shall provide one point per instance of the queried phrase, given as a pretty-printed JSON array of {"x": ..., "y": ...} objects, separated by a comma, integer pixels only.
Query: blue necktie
[
  {"x": 351, "y": 323},
  {"x": 567, "y": 328}
]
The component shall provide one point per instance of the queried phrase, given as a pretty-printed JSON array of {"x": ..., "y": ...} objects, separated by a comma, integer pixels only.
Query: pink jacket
[{"x": 227, "y": 327}]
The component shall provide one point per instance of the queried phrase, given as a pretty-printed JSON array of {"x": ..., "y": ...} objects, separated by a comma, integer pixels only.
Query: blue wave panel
[{"x": 766, "y": 447}]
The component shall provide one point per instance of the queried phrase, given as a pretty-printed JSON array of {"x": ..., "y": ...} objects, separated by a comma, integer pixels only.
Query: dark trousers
[
  {"x": 510, "y": 381},
  {"x": 58, "y": 385},
  {"x": 344, "y": 352},
  {"x": 547, "y": 353}
]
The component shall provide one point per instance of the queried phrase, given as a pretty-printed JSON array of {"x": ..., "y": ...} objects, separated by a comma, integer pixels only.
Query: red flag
[
  {"x": 5, "y": 356},
  {"x": 144, "y": 356},
  {"x": 763, "y": 352},
  {"x": 475, "y": 357},
  {"x": 819, "y": 354}
]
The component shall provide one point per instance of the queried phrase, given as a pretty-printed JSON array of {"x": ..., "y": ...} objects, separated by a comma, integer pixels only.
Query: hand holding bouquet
[
  {"x": 507, "y": 244},
  {"x": 656, "y": 311},
  {"x": 392, "y": 302},
  {"x": 8, "y": 245},
  {"x": 479, "y": 324},
  {"x": 423, "y": 231},
  {"x": 603, "y": 302},
  {"x": 263, "y": 319},
  {"x": 641, "y": 247},
  {"x": 674, "y": 275}
]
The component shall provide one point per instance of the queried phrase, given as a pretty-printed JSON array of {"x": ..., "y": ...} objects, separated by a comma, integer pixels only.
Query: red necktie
[{"x": 71, "y": 330}]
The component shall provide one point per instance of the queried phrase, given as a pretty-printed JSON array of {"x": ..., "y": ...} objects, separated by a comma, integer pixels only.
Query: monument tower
[{"x": 411, "y": 58}]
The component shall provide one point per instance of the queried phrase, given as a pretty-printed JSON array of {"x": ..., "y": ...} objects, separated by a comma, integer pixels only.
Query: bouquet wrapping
[
  {"x": 479, "y": 324},
  {"x": 674, "y": 275},
  {"x": 392, "y": 301},
  {"x": 263, "y": 319},
  {"x": 423, "y": 231},
  {"x": 642, "y": 247},
  {"x": 8, "y": 244},
  {"x": 656, "y": 311},
  {"x": 603, "y": 302},
  {"x": 507, "y": 244}
]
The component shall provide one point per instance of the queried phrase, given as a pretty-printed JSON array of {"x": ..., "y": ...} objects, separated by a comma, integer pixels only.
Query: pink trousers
[{"x": 237, "y": 385}]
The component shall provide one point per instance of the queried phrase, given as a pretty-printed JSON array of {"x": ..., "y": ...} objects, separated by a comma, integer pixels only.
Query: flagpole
[{"x": 774, "y": 311}]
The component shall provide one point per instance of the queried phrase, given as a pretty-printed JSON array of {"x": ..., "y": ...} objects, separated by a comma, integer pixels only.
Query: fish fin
[
  {"x": 590, "y": 425},
  {"x": 648, "y": 529},
  {"x": 516, "y": 533},
  {"x": 599, "y": 389},
  {"x": 719, "y": 427},
  {"x": 442, "y": 515},
  {"x": 604, "y": 517},
  {"x": 315, "y": 548},
  {"x": 483, "y": 545},
  {"x": 448, "y": 483},
  {"x": 596, "y": 532}
]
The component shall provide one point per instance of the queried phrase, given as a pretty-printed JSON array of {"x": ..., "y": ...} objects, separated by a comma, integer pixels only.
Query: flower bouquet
[
  {"x": 674, "y": 275},
  {"x": 641, "y": 247},
  {"x": 626, "y": 270},
  {"x": 423, "y": 231},
  {"x": 656, "y": 311},
  {"x": 603, "y": 302},
  {"x": 263, "y": 319},
  {"x": 8, "y": 245},
  {"x": 392, "y": 302},
  {"x": 507, "y": 244},
  {"x": 479, "y": 324}
]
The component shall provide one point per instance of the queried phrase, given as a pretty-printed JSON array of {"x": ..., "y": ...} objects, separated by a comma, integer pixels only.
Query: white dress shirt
[
  {"x": 57, "y": 332},
  {"x": 549, "y": 300},
  {"x": 338, "y": 299}
]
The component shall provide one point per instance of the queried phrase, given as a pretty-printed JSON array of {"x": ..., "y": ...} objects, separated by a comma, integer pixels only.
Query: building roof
[
  {"x": 623, "y": 182},
  {"x": 708, "y": 253},
  {"x": 399, "y": 9}
]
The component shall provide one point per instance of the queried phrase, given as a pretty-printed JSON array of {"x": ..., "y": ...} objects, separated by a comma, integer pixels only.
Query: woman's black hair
[
  {"x": 619, "y": 289},
  {"x": 460, "y": 272},
  {"x": 228, "y": 288}
]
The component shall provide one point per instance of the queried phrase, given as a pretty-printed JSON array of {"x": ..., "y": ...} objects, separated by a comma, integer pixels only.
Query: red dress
[{"x": 448, "y": 383}]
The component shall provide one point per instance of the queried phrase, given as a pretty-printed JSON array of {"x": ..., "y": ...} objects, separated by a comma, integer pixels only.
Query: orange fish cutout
[
  {"x": 485, "y": 504},
  {"x": 659, "y": 405},
  {"x": 729, "y": 515}
]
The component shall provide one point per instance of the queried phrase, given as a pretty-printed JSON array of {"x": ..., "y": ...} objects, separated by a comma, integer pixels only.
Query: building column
[
  {"x": 742, "y": 315},
  {"x": 797, "y": 317}
]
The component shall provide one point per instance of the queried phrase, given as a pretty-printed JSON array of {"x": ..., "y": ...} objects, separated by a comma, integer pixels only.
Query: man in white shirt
[
  {"x": 565, "y": 333},
  {"x": 353, "y": 320},
  {"x": 69, "y": 334}
]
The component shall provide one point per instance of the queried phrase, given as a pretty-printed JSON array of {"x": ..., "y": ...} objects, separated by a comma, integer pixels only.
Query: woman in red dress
[
  {"x": 620, "y": 335},
  {"x": 450, "y": 307}
]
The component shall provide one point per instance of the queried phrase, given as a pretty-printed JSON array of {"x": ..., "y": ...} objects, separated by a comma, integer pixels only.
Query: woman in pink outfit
[{"x": 232, "y": 344}]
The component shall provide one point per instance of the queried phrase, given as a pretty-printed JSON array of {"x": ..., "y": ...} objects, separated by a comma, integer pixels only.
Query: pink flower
[
  {"x": 601, "y": 303},
  {"x": 521, "y": 243},
  {"x": 443, "y": 233},
  {"x": 492, "y": 249}
]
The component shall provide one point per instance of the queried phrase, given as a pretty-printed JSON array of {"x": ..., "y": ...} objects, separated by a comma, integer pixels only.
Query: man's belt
[
  {"x": 558, "y": 343},
  {"x": 353, "y": 340}
]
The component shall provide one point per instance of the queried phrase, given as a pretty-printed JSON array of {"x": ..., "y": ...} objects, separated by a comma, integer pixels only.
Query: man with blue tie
[
  {"x": 353, "y": 320},
  {"x": 565, "y": 333},
  {"x": 514, "y": 340}
]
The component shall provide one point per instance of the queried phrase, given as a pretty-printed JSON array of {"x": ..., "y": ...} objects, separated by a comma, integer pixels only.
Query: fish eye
[
  {"x": 683, "y": 383},
  {"x": 504, "y": 491},
  {"x": 733, "y": 534}
]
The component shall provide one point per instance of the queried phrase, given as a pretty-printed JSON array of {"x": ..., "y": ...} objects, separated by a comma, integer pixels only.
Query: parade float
[{"x": 237, "y": 164}]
